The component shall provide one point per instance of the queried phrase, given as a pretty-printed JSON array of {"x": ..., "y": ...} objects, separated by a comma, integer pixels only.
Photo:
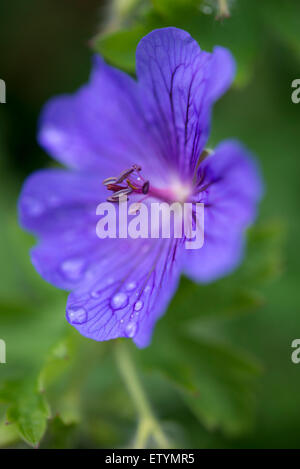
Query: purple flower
[{"x": 160, "y": 123}]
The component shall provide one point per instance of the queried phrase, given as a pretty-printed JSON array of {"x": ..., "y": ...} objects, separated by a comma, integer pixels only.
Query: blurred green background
[{"x": 219, "y": 372}]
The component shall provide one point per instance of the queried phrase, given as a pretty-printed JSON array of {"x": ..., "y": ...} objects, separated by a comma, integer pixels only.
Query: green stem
[
  {"x": 223, "y": 9},
  {"x": 148, "y": 425},
  {"x": 120, "y": 10},
  {"x": 142, "y": 434}
]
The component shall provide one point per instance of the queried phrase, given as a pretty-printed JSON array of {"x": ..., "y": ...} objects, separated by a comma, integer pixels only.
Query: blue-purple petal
[
  {"x": 180, "y": 84},
  {"x": 101, "y": 127},
  {"x": 128, "y": 291},
  {"x": 230, "y": 187},
  {"x": 120, "y": 287}
]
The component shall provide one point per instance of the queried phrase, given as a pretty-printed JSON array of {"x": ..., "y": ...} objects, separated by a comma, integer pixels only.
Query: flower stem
[
  {"x": 223, "y": 9},
  {"x": 148, "y": 425}
]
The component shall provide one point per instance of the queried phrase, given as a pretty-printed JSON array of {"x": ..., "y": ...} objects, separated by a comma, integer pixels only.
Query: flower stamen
[{"x": 130, "y": 180}]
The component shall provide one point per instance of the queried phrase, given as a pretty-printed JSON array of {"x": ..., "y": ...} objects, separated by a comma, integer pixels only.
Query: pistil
[{"x": 131, "y": 181}]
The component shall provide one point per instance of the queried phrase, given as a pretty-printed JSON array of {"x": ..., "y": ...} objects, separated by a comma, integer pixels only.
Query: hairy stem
[{"x": 148, "y": 425}]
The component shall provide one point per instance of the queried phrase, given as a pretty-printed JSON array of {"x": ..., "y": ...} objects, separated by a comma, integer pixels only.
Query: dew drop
[
  {"x": 77, "y": 315},
  {"x": 53, "y": 136},
  {"x": 138, "y": 305},
  {"x": 131, "y": 329},
  {"x": 33, "y": 206},
  {"x": 130, "y": 286},
  {"x": 108, "y": 282},
  {"x": 96, "y": 293},
  {"x": 72, "y": 268},
  {"x": 118, "y": 301}
]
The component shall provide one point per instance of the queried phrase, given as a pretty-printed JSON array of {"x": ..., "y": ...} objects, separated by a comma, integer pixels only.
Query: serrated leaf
[{"x": 28, "y": 409}]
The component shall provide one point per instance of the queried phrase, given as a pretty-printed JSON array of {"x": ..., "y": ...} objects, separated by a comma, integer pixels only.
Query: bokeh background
[{"x": 219, "y": 372}]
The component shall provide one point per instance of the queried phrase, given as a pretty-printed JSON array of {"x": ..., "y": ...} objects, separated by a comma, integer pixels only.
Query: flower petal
[
  {"x": 56, "y": 200},
  {"x": 180, "y": 84},
  {"x": 60, "y": 207},
  {"x": 128, "y": 291},
  {"x": 230, "y": 188},
  {"x": 100, "y": 127}
]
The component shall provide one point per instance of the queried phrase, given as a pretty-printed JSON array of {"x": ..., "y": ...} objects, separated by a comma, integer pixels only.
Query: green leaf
[
  {"x": 119, "y": 47},
  {"x": 56, "y": 362},
  {"x": 225, "y": 385},
  {"x": 28, "y": 409},
  {"x": 215, "y": 380},
  {"x": 242, "y": 291},
  {"x": 283, "y": 20},
  {"x": 60, "y": 435},
  {"x": 8, "y": 434},
  {"x": 240, "y": 33}
]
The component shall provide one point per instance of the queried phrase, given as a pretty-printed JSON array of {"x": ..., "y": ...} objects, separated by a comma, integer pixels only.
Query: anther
[
  {"x": 122, "y": 192},
  {"x": 145, "y": 188},
  {"x": 130, "y": 180},
  {"x": 110, "y": 180},
  {"x": 124, "y": 175}
]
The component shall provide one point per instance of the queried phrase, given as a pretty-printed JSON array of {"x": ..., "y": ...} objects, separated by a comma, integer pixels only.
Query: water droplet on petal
[
  {"x": 33, "y": 206},
  {"x": 109, "y": 281},
  {"x": 53, "y": 136},
  {"x": 138, "y": 305},
  {"x": 96, "y": 293},
  {"x": 118, "y": 301},
  {"x": 72, "y": 268},
  {"x": 147, "y": 288},
  {"x": 131, "y": 329},
  {"x": 130, "y": 286},
  {"x": 77, "y": 315}
]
